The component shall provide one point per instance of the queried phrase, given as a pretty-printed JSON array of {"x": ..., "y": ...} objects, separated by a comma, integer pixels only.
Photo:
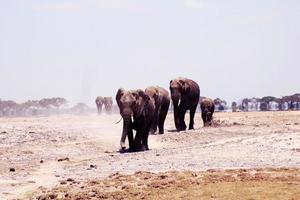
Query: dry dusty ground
[{"x": 76, "y": 157}]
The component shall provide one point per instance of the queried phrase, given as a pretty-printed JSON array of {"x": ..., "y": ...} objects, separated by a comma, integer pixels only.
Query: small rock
[
  {"x": 237, "y": 123},
  {"x": 52, "y": 196},
  {"x": 93, "y": 166},
  {"x": 163, "y": 176},
  {"x": 92, "y": 194},
  {"x": 70, "y": 180},
  {"x": 124, "y": 187},
  {"x": 157, "y": 154},
  {"x": 63, "y": 159},
  {"x": 63, "y": 182},
  {"x": 42, "y": 197},
  {"x": 31, "y": 182},
  {"x": 12, "y": 169},
  {"x": 41, "y": 161}
]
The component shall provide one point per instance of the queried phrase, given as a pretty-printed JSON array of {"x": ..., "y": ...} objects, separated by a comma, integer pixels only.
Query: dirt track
[{"x": 87, "y": 146}]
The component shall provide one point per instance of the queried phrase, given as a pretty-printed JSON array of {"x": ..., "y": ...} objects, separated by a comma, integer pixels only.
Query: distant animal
[
  {"x": 185, "y": 95},
  {"x": 137, "y": 110},
  {"x": 234, "y": 106},
  {"x": 161, "y": 98},
  {"x": 99, "y": 102},
  {"x": 207, "y": 111},
  {"x": 108, "y": 102}
]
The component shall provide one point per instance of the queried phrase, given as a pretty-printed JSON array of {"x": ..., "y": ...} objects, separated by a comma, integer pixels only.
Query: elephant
[
  {"x": 234, "y": 106},
  {"x": 207, "y": 111},
  {"x": 185, "y": 94},
  {"x": 99, "y": 102},
  {"x": 162, "y": 102},
  {"x": 108, "y": 102},
  {"x": 137, "y": 111}
]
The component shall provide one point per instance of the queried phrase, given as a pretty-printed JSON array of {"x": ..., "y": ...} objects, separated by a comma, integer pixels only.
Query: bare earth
[{"x": 69, "y": 156}]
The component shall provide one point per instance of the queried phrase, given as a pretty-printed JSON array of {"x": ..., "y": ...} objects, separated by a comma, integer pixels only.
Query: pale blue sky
[{"x": 79, "y": 49}]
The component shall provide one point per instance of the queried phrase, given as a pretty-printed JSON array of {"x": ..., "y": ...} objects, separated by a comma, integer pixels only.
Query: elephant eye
[{"x": 133, "y": 103}]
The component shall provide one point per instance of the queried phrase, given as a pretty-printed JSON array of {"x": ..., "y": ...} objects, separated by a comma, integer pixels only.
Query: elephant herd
[
  {"x": 145, "y": 111},
  {"x": 106, "y": 101}
]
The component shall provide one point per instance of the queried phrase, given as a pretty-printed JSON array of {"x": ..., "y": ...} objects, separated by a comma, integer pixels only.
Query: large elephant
[
  {"x": 207, "y": 111},
  {"x": 185, "y": 94},
  {"x": 135, "y": 104},
  {"x": 108, "y": 102},
  {"x": 161, "y": 98},
  {"x": 99, "y": 102}
]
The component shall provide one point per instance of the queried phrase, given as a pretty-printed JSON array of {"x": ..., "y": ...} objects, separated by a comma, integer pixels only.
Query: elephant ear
[
  {"x": 119, "y": 94},
  {"x": 171, "y": 81},
  {"x": 185, "y": 86},
  {"x": 143, "y": 95},
  {"x": 157, "y": 97},
  {"x": 141, "y": 101}
]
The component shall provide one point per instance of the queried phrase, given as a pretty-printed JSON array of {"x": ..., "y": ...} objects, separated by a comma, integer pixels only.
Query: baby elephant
[{"x": 207, "y": 109}]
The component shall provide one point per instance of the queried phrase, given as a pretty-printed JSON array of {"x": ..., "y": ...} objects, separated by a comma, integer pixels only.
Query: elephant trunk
[
  {"x": 176, "y": 117},
  {"x": 99, "y": 106},
  {"x": 127, "y": 121}
]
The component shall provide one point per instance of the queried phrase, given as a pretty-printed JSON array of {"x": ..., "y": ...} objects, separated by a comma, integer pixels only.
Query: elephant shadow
[
  {"x": 173, "y": 131},
  {"x": 128, "y": 150}
]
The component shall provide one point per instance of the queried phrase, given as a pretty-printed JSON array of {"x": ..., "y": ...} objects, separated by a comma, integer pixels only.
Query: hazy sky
[{"x": 79, "y": 49}]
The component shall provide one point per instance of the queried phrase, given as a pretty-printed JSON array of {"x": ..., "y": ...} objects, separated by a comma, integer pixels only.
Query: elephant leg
[
  {"x": 130, "y": 139},
  {"x": 182, "y": 125},
  {"x": 138, "y": 140},
  {"x": 203, "y": 118},
  {"x": 141, "y": 126},
  {"x": 155, "y": 122},
  {"x": 161, "y": 120},
  {"x": 192, "y": 115},
  {"x": 176, "y": 119},
  {"x": 145, "y": 139}
]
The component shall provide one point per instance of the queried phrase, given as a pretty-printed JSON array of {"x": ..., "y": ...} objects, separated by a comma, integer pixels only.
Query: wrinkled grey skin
[
  {"x": 99, "y": 102},
  {"x": 207, "y": 111},
  {"x": 161, "y": 98},
  {"x": 185, "y": 94},
  {"x": 108, "y": 102},
  {"x": 137, "y": 111}
]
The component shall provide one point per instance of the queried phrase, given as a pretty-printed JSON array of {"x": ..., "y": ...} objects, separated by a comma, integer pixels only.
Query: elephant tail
[{"x": 119, "y": 121}]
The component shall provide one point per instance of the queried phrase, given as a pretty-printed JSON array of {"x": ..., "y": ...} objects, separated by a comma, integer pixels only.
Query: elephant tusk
[
  {"x": 131, "y": 118},
  {"x": 119, "y": 121},
  {"x": 179, "y": 101}
]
